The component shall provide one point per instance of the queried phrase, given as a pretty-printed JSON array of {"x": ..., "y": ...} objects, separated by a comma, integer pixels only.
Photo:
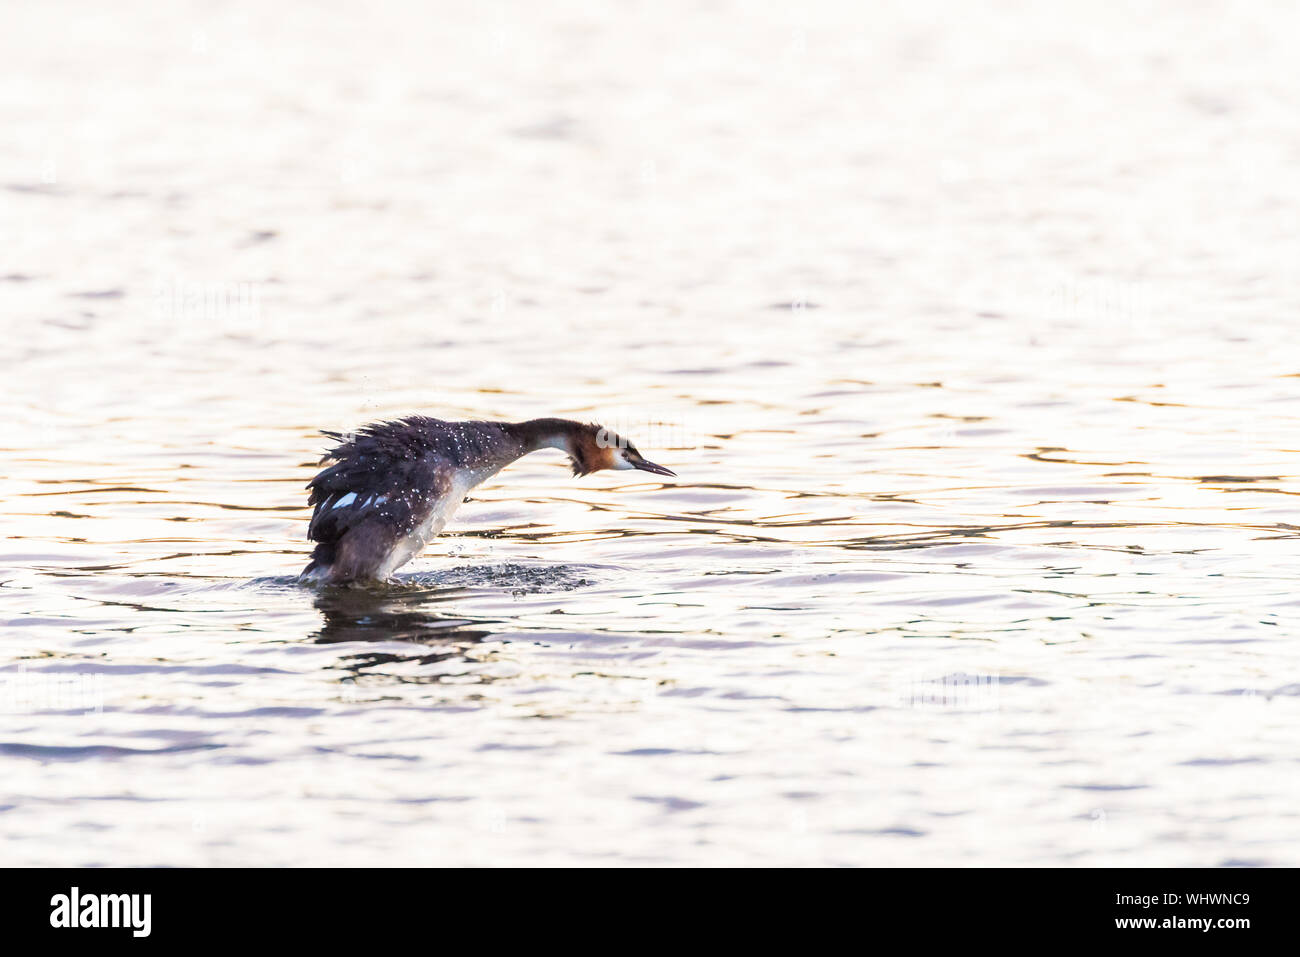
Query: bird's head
[{"x": 594, "y": 447}]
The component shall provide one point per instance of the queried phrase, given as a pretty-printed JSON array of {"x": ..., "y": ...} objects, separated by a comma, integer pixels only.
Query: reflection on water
[
  {"x": 388, "y": 616},
  {"x": 982, "y": 395}
]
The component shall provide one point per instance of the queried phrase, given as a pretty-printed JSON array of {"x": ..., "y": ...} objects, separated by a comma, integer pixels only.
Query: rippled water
[{"x": 970, "y": 338}]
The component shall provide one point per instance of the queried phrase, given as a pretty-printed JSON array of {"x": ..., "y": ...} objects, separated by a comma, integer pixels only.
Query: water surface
[{"x": 971, "y": 340}]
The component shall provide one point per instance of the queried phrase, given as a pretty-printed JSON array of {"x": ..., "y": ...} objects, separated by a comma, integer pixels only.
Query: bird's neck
[{"x": 546, "y": 434}]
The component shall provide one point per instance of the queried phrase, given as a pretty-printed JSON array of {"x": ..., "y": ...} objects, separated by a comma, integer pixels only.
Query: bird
[{"x": 392, "y": 486}]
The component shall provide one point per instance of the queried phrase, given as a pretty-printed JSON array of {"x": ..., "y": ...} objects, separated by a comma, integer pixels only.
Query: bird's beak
[{"x": 645, "y": 466}]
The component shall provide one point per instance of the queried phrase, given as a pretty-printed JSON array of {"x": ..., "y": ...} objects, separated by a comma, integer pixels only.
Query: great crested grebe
[{"x": 393, "y": 485}]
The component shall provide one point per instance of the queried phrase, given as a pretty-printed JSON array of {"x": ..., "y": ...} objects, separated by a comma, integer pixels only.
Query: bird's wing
[{"x": 368, "y": 483}]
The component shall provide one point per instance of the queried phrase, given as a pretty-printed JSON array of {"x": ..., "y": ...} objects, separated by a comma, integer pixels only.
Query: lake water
[{"x": 971, "y": 337}]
